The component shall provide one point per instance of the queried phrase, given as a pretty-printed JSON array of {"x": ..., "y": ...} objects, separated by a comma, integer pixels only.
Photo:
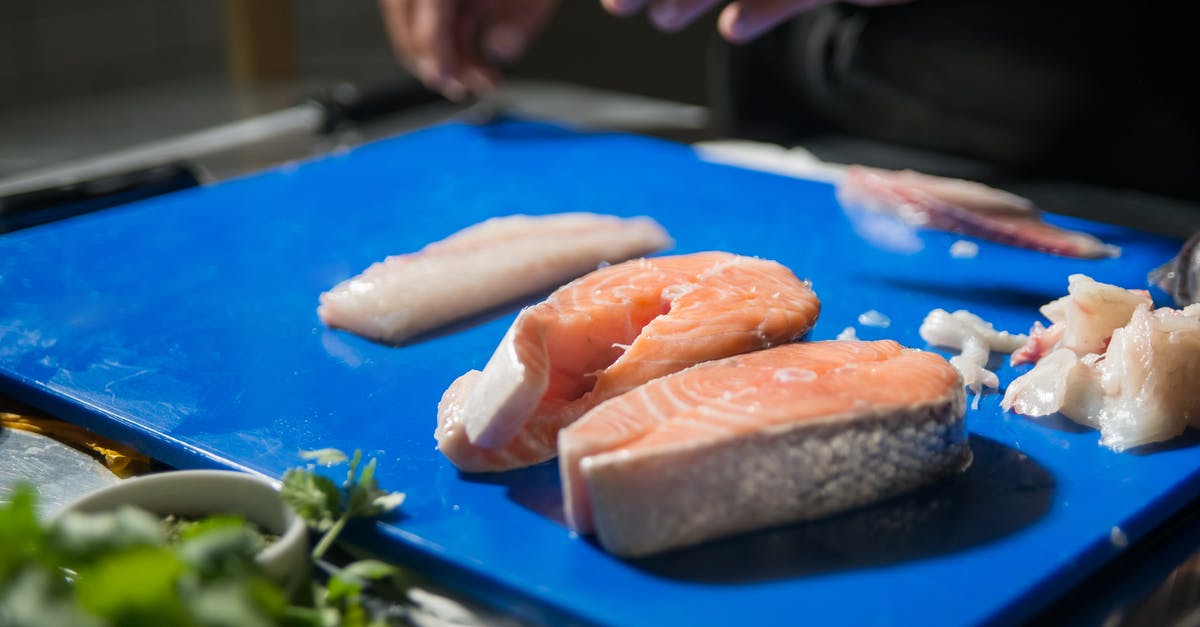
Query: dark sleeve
[{"x": 1099, "y": 91}]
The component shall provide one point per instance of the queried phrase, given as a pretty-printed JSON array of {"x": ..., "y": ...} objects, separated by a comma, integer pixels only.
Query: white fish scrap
[
  {"x": 1083, "y": 320},
  {"x": 963, "y": 249},
  {"x": 976, "y": 338},
  {"x": 1115, "y": 364},
  {"x": 872, "y": 318},
  {"x": 480, "y": 267}
]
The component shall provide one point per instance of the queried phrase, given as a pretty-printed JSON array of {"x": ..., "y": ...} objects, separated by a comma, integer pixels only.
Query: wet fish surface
[
  {"x": 1111, "y": 362},
  {"x": 790, "y": 433},
  {"x": 480, "y": 267},
  {"x": 607, "y": 333}
]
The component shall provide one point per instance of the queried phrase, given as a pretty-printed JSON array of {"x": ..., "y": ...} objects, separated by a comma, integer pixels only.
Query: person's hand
[
  {"x": 740, "y": 21},
  {"x": 456, "y": 47}
]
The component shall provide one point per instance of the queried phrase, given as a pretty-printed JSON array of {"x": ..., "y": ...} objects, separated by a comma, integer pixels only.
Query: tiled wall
[{"x": 53, "y": 49}]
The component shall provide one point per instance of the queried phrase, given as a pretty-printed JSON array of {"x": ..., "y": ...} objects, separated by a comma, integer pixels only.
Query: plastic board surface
[{"x": 186, "y": 325}]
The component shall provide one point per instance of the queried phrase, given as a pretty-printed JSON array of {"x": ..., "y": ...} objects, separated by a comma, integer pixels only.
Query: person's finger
[
  {"x": 397, "y": 23},
  {"x": 434, "y": 46},
  {"x": 479, "y": 74},
  {"x": 673, "y": 15},
  {"x": 414, "y": 15},
  {"x": 623, "y": 8},
  {"x": 513, "y": 26},
  {"x": 744, "y": 20}
]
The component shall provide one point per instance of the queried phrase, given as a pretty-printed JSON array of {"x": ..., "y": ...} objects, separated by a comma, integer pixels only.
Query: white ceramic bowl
[{"x": 202, "y": 492}]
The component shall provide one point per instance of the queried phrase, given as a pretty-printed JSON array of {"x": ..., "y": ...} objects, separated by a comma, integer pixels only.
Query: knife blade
[{"x": 165, "y": 165}]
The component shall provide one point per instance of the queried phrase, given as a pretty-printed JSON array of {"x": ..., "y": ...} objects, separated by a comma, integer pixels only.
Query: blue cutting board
[{"x": 186, "y": 325}]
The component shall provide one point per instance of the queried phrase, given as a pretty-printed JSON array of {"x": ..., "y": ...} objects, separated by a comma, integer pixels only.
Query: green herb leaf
[
  {"x": 314, "y": 497},
  {"x": 368, "y": 570},
  {"x": 233, "y": 602},
  {"x": 33, "y": 597},
  {"x": 220, "y": 550},
  {"x": 325, "y": 456},
  {"x": 341, "y": 589},
  {"x": 365, "y": 499},
  {"x": 104, "y": 588},
  {"x": 388, "y": 501},
  {"x": 81, "y": 537},
  {"x": 359, "y": 497},
  {"x": 128, "y": 567},
  {"x": 21, "y": 536},
  {"x": 353, "y": 469},
  {"x": 367, "y": 476}
]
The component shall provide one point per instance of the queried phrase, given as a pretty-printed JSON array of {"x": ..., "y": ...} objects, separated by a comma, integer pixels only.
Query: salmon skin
[
  {"x": 607, "y": 333},
  {"x": 480, "y": 267},
  {"x": 786, "y": 434}
]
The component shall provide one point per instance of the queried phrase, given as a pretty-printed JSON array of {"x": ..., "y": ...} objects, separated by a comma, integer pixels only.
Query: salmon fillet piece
[
  {"x": 786, "y": 434},
  {"x": 607, "y": 333},
  {"x": 480, "y": 267}
]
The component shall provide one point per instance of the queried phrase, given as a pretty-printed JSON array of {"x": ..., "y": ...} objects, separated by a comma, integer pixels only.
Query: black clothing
[{"x": 1102, "y": 92}]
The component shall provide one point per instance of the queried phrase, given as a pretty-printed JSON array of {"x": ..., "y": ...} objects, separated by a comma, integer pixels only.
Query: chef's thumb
[
  {"x": 513, "y": 26},
  {"x": 506, "y": 41}
]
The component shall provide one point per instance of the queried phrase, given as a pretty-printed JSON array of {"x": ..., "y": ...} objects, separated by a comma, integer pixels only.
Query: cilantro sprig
[
  {"x": 81, "y": 569},
  {"x": 327, "y": 509},
  {"x": 324, "y": 506},
  {"x": 120, "y": 568}
]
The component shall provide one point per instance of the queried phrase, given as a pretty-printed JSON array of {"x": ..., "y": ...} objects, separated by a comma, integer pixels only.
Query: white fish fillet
[
  {"x": 1141, "y": 389},
  {"x": 959, "y": 206},
  {"x": 480, "y": 267}
]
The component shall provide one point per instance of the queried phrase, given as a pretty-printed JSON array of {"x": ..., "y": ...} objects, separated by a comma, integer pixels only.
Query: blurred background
[
  {"x": 84, "y": 79},
  {"x": 70, "y": 48},
  {"x": 79, "y": 77}
]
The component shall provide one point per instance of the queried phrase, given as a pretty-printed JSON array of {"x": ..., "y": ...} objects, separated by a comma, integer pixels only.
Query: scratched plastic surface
[{"x": 186, "y": 325}]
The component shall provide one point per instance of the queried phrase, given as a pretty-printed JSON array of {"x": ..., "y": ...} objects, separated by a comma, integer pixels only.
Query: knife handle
[
  {"x": 23, "y": 210},
  {"x": 349, "y": 103}
]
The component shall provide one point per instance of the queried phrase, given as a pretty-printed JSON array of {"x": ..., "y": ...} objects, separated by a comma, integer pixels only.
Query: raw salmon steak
[
  {"x": 786, "y": 434},
  {"x": 963, "y": 207},
  {"x": 480, "y": 267},
  {"x": 607, "y": 333}
]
